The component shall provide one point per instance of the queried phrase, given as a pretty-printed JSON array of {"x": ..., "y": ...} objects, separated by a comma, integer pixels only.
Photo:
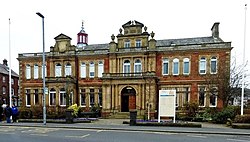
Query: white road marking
[
  {"x": 238, "y": 140},
  {"x": 197, "y": 136},
  {"x": 39, "y": 135},
  {"x": 78, "y": 136}
]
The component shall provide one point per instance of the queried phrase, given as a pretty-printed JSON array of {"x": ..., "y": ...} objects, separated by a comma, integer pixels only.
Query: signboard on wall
[{"x": 167, "y": 103}]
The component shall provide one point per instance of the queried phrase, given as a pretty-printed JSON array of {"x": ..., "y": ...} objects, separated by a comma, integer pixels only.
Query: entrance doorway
[{"x": 128, "y": 99}]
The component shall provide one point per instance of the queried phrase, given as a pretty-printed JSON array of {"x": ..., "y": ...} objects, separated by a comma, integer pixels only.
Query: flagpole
[
  {"x": 10, "y": 86},
  {"x": 243, "y": 73}
]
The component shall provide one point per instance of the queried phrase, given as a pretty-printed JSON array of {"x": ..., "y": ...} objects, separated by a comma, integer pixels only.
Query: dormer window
[
  {"x": 138, "y": 43},
  {"x": 127, "y": 44}
]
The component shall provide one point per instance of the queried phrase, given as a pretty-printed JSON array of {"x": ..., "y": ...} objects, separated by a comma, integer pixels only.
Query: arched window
[
  {"x": 100, "y": 68},
  {"x": 213, "y": 65},
  {"x": 35, "y": 71},
  {"x": 186, "y": 66},
  {"x": 58, "y": 70},
  {"x": 202, "y": 67},
  {"x": 28, "y": 71},
  {"x": 137, "y": 66},
  {"x": 83, "y": 70},
  {"x": 176, "y": 66},
  {"x": 68, "y": 69},
  {"x": 91, "y": 70},
  {"x": 126, "y": 66}
]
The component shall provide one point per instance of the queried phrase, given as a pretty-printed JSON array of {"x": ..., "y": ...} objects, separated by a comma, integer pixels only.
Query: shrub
[
  {"x": 228, "y": 112},
  {"x": 242, "y": 118},
  {"x": 37, "y": 112},
  {"x": 75, "y": 109},
  {"x": 190, "y": 109},
  {"x": 25, "y": 113}
]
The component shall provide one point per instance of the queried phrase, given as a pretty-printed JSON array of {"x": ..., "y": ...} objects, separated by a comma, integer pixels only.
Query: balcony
[{"x": 139, "y": 75}]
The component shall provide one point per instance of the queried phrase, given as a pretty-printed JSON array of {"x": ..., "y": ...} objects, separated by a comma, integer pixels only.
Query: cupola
[{"x": 82, "y": 38}]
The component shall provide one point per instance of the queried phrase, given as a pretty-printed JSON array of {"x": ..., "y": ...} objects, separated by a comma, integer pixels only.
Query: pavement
[{"x": 117, "y": 124}]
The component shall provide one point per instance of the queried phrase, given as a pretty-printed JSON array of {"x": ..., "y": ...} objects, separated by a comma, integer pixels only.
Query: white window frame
[
  {"x": 27, "y": 92},
  {"x": 90, "y": 96},
  {"x": 35, "y": 96},
  {"x": 54, "y": 98},
  {"x": 126, "y": 66},
  {"x": 12, "y": 81},
  {"x": 83, "y": 104},
  {"x": 213, "y": 93},
  {"x": 68, "y": 70},
  {"x": 186, "y": 64},
  {"x": 36, "y": 71},
  {"x": 4, "y": 90},
  {"x": 45, "y": 71},
  {"x": 137, "y": 66},
  {"x": 28, "y": 71},
  {"x": 62, "y": 99},
  {"x": 58, "y": 70},
  {"x": 202, "y": 65},
  {"x": 83, "y": 70},
  {"x": 4, "y": 79},
  {"x": 165, "y": 70},
  {"x": 204, "y": 96},
  {"x": 138, "y": 43},
  {"x": 127, "y": 44},
  {"x": 176, "y": 66},
  {"x": 100, "y": 68},
  {"x": 213, "y": 59},
  {"x": 91, "y": 69}
]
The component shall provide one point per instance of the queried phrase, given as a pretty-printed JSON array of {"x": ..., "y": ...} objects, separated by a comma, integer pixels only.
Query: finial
[
  {"x": 145, "y": 29},
  {"x": 152, "y": 34},
  {"x": 120, "y": 30},
  {"x": 112, "y": 37},
  {"x": 83, "y": 25}
]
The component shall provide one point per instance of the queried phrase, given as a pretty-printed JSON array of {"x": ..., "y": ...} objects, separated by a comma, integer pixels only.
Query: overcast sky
[{"x": 168, "y": 19}]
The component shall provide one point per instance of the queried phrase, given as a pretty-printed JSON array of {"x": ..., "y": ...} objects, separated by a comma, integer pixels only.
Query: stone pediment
[{"x": 62, "y": 36}]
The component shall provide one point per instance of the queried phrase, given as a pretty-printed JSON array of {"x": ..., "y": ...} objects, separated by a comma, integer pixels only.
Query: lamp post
[
  {"x": 44, "y": 98},
  {"x": 243, "y": 73}
]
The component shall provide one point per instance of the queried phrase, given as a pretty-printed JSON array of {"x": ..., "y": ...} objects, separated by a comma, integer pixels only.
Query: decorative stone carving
[
  {"x": 120, "y": 30},
  {"x": 152, "y": 34},
  {"x": 112, "y": 37}
]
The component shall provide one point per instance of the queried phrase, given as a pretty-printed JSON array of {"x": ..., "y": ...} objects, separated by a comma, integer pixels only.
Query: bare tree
[{"x": 226, "y": 82}]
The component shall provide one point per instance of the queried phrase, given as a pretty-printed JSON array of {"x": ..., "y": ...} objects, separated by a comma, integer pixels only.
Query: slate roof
[
  {"x": 188, "y": 41},
  {"x": 167, "y": 42},
  {"x": 5, "y": 70}
]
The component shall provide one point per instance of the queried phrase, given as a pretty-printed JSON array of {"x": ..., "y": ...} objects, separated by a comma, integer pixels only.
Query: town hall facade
[{"x": 126, "y": 73}]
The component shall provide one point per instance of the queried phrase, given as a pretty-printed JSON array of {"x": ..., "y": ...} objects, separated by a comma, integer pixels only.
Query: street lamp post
[{"x": 44, "y": 98}]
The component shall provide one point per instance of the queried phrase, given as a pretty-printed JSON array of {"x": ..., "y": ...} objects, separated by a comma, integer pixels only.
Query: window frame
[
  {"x": 83, "y": 70},
  {"x": 91, "y": 69},
  {"x": 36, "y": 71},
  {"x": 202, "y": 62},
  {"x": 28, "y": 71},
  {"x": 186, "y": 64},
  {"x": 58, "y": 70},
  {"x": 176, "y": 66},
  {"x": 213, "y": 59}
]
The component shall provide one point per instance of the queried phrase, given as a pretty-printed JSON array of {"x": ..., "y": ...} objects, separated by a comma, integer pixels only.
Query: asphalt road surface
[{"x": 42, "y": 134}]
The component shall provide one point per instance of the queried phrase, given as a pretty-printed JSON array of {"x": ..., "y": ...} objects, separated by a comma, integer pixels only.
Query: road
[{"x": 42, "y": 134}]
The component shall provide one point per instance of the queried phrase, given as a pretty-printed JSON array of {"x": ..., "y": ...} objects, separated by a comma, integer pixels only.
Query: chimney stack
[
  {"x": 215, "y": 30},
  {"x": 5, "y": 62}
]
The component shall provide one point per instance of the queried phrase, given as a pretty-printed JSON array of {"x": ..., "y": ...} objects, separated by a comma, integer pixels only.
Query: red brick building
[
  {"x": 126, "y": 73},
  {"x": 4, "y": 84}
]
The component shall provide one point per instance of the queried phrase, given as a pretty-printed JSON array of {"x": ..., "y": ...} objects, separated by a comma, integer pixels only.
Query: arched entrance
[{"x": 128, "y": 99}]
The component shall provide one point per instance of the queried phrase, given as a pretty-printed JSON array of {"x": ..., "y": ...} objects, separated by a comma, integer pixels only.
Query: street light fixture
[{"x": 44, "y": 98}]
